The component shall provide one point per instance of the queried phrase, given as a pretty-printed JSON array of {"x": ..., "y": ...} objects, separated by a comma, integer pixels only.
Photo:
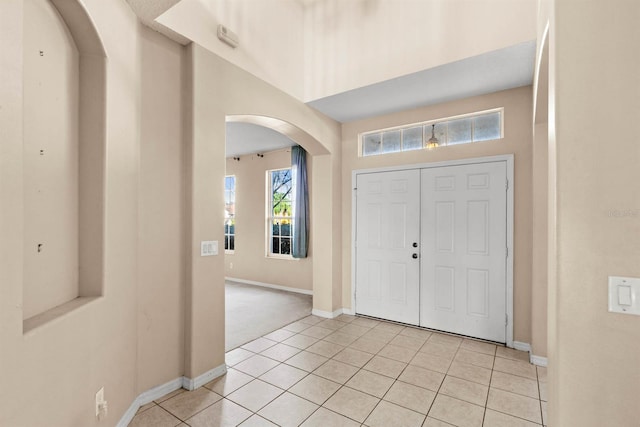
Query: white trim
[
  {"x": 522, "y": 346},
  {"x": 348, "y": 311},
  {"x": 327, "y": 314},
  {"x": 197, "y": 382},
  {"x": 538, "y": 360},
  {"x": 166, "y": 388},
  {"x": 147, "y": 397},
  {"x": 508, "y": 158},
  {"x": 510, "y": 247},
  {"x": 269, "y": 285}
]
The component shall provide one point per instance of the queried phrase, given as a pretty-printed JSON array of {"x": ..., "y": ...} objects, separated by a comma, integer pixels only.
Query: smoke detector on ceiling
[{"x": 227, "y": 36}]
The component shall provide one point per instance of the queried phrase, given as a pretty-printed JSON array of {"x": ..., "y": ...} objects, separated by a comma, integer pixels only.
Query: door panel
[
  {"x": 388, "y": 223},
  {"x": 463, "y": 241}
]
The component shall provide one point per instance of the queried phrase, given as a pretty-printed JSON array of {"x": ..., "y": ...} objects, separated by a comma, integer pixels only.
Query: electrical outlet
[{"x": 101, "y": 404}]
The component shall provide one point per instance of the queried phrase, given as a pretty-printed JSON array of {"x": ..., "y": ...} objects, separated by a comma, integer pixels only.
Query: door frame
[{"x": 508, "y": 159}]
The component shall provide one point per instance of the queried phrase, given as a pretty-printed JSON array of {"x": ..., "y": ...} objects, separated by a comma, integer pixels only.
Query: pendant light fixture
[{"x": 433, "y": 141}]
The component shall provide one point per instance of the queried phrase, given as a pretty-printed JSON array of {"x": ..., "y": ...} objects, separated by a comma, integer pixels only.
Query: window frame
[
  {"x": 232, "y": 217},
  {"x": 270, "y": 218}
]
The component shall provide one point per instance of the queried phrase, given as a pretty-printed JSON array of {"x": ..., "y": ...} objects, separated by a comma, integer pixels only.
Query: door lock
[{"x": 414, "y": 256}]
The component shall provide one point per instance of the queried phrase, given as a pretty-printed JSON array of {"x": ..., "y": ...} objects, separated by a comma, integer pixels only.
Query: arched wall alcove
[
  {"x": 64, "y": 159},
  {"x": 220, "y": 91}
]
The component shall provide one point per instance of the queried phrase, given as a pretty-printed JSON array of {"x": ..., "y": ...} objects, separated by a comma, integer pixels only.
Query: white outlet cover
[{"x": 99, "y": 400}]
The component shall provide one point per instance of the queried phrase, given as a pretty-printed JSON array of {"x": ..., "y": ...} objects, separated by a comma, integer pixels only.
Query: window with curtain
[
  {"x": 280, "y": 195},
  {"x": 229, "y": 213}
]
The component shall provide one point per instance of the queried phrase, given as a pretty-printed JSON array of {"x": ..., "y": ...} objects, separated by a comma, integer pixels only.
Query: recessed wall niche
[{"x": 64, "y": 159}]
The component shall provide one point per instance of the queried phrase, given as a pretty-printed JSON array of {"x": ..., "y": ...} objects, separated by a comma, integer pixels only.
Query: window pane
[
  {"x": 285, "y": 246},
  {"x": 275, "y": 229},
  {"x": 439, "y": 132},
  {"x": 372, "y": 144},
  {"x": 391, "y": 141},
  {"x": 232, "y": 243},
  {"x": 486, "y": 127},
  {"x": 412, "y": 139},
  {"x": 281, "y": 192},
  {"x": 285, "y": 229},
  {"x": 275, "y": 245},
  {"x": 229, "y": 182},
  {"x": 459, "y": 131},
  {"x": 226, "y": 242}
]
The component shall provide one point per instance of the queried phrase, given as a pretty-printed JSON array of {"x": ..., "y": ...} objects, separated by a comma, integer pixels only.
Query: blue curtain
[{"x": 300, "y": 203}]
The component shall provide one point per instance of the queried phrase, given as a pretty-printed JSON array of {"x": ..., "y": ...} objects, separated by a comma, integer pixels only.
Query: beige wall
[
  {"x": 349, "y": 44},
  {"x": 94, "y": 345},
  {"x": 269, "y": 33},
  {"x": 219, "y": 90},
  {"x": 248, "y": 261},
  {"x": 161, "y": 237},
  {"x": 162, "y": 312},
  {"x": 517, "y": 140},
  {"x": 596, "y": 95},
  {"x": 541, "y": 194},
  {"x": 539, "y": 262},
  {"x": 313, "y": 49}
]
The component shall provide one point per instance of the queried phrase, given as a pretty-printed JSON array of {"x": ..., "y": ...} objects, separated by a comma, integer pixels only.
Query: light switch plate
[
  {"x": 208, "y": 247},
  {"x": 624, "y": 295}
]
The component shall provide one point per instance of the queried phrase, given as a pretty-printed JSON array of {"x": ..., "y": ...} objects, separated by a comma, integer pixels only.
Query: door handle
[{"x": 414, "y": 256}]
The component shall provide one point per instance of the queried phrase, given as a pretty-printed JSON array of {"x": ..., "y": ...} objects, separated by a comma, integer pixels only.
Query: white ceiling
[
  {"x": 502, "y": 69},
  {"x": 490, "y": 72},
  {"x": 247, "y": 138}
]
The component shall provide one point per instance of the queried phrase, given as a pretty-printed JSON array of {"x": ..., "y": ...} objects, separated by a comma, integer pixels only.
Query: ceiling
[
  {"x": 248, "y": 138},
  {"x": 502, "y": 69},
  {"x": 494, "y": 71}
]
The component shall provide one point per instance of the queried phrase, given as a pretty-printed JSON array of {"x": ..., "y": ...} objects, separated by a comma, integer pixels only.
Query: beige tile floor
[{"x": 355, "y": 371}]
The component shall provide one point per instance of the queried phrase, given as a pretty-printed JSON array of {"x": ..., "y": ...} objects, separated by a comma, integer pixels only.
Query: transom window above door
[{"x": 464, "y": 129}]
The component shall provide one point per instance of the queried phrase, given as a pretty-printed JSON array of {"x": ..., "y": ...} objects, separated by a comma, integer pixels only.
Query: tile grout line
[
  {"x": 486, "y": 402},
  {"x": 384, "y": 343}
]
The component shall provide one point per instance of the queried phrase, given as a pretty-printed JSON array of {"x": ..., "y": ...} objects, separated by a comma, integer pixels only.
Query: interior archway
[
  {"x": 219, "y": 91},
  {"x": 256, "y": 147}
]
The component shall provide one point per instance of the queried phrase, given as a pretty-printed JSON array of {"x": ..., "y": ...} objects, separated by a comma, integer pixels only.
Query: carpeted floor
[{"x": 254, "y": 311}]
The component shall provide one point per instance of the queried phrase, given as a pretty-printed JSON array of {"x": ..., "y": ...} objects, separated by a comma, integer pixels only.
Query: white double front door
[{"x": 431, "y": 248}]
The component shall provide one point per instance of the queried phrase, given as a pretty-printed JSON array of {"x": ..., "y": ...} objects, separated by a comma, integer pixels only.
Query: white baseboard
[
  {"x": 269, "y": 285},
  {"x": 538, "y": 360},
  {"x": 166, "y": 388},
  {"x": 326, "y": 314},
  {"x": 522, "y": 346},
  {"x": 149, "y": 396},
  {"x": 200, "y": 380},
  {"x": 348, "y": 311}
]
